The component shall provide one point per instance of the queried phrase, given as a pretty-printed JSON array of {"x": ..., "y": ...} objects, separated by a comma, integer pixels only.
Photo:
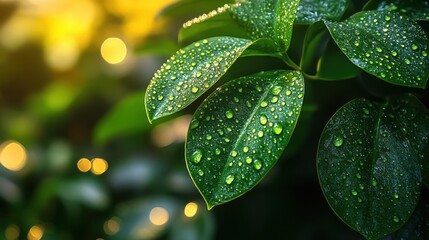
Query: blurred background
[{"x": 78, "y": 158}]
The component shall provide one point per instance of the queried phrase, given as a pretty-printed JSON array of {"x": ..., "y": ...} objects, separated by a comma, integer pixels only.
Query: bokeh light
[
  {"x": 99, "y": 166},
  {"x": 35, "y": 233},
  {"x": 191, "y": 209},
  {"x": 84, "y": 165},
  {"x": 159, "y": 216},
  {"x": 112, "y": 226},
  {"x": 13, "y": 156},
  {"x": 12, "y": 232},
  {"x": 170, "y": 132},
  {"x": 113, "y": 50}
]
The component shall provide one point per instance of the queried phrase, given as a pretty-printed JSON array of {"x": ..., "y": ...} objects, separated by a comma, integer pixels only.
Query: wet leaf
[
  {"x": 239, "y": 132},
  {"x": 415, "y": 9},
  {"x": 369, "y": 162},
  {"x": 271, "y": 19},
  {"x": 311, "y": 11},
  {"x": 191, "y": 72},
  {"x": 417, "y": 227},
  {"x": 386, "y": 45},
  {"x": 220, "y": 24}
]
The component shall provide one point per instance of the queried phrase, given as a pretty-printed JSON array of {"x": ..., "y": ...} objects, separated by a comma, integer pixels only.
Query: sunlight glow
[
  {"x": 13, "y": 155},
  {"x": 111, "y": 226},
  {"x": 190, "y": 209},
  {"x": 113, "y": 50},
  {"x": 35, "y": 233},
  {"x": 159, "y": 216},
  {"x": 84, "y": 165},
  {"x": 99, "y": 166},
  {"x": 12, "y": 232}
]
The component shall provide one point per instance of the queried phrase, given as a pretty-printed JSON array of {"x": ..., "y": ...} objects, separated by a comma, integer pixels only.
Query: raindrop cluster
[
  {"x": 190, "y": 72},
  {"x": 240, "y": 131},
  {"x": 385, "y": 44},
  {"x": 367, "y": 166},
  {"x": 270, "y": 19}
]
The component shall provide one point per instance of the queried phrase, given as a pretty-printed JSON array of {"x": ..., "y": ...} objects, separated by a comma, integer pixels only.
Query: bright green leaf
[
  {"x": 369, "y": 162},
  {"x": 415, "y": 9},
  {"x": 127, "y": 117},
  {"x": 239, "y": 132},
  {"x": 189, "y": 73},
  {"x": 385, "y": 44},
  {"x": 271, "y": 19},
  {"x": 311, "y": 11}
]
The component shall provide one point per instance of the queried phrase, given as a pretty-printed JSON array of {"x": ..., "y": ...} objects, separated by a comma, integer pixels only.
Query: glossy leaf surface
[
  {"x": 369, "y": 162},
  {"x": 386, "y": 45},
  {"x": 189, "y": 73},
  {"x": 415, "y": 9},
  {"x": 270, "y": 19},
  {"x": 239, "y": 132},
  {"x": 311, "y": 11}
]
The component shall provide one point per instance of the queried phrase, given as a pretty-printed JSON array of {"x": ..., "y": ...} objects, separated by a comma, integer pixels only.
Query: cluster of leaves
[{"x": 373, "y": 153}]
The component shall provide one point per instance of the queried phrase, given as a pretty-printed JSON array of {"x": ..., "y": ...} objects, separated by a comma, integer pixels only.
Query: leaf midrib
[{"x": 241, "y": 135}]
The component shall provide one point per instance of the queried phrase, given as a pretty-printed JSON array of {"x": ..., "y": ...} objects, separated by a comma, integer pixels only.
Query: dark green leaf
[
  {"x": 128, "y": 116},
  {"x": 369, "y": 163},
  {"x": 271, "y": 19},
  {"x": 334, "y": 65},
  {"x": 417, "y": 227},
  {"x": 415, "y": 9},
  {"x": 314, "y": 44},
  {"x": 239, "y": 132},
  {"x": 189, "y": 73},
  {"x": 385, "y": 44},
  {"x": 311, "y": 11},
  {"x": 220, "y": 24}
]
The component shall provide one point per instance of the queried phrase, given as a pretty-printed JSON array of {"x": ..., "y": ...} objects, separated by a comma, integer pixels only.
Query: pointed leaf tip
[{"x": 191, "y": 72}]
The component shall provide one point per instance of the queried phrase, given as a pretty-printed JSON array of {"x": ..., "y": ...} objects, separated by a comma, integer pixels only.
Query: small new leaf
[
  {"x": 385, "y": 44},
  {"x": 270, "y": 19},
  {"x": 191, "y": 72},
  {"x": 240, "y": 131},
  {"x": 369, "y": 162}
]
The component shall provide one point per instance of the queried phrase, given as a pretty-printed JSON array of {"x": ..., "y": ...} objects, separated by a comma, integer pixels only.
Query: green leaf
[
  {"x": 386, "y": 45},
  {"x": 415, "y": 9},
  {"x": 271, "y": 19},
  {"x": 311, "y": 11},
  {"x": 220, "y": 24},
  {"x": 417, "y": 227},
  {"x": 127, "y": 117},
  {"x": 334, "y": 65},
  {"x": 322, "y": 58},
  {"x": 191, "y": 72},
  {"x": 314, "y": 43},
  {"x": 239, "y": 132},
  {"x": 369, "y": 163}
]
